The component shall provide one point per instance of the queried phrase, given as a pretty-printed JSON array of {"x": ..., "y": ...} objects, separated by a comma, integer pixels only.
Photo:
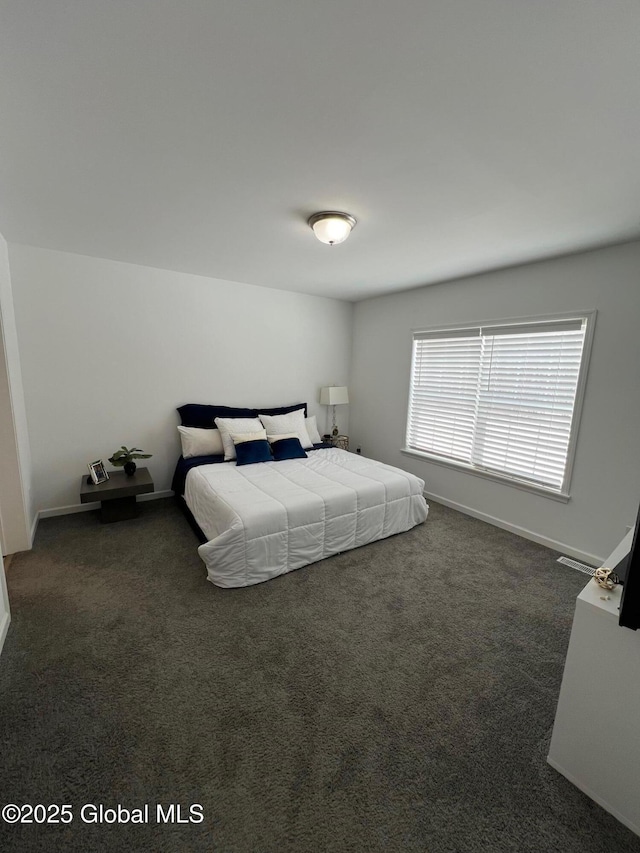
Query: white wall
[
  {"x": 110, "y": 349},
  {"x": 605, "y": 489},
  {"x": 16, "y": 505}
]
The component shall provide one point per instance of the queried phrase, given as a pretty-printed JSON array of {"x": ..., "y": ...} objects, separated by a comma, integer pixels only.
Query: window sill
[{"x": 562, "y": 497}]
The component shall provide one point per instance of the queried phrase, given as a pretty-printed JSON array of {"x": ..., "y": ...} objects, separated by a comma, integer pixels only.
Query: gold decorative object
[
  {"x": 341, "y": 441},
  {"x": 606, "y": 578}
]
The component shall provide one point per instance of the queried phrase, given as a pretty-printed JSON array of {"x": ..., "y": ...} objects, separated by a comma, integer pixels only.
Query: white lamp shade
[
  {"x": 332, "y": 227},
  {"x": 334, "y": 395}
]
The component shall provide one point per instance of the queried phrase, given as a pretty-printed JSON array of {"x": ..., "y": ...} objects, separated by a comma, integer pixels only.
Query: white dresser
[{"x": 596, "y": 734}]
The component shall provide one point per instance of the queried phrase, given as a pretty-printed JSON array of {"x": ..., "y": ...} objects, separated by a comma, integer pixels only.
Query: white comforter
[{"x": 267, "y": 519}]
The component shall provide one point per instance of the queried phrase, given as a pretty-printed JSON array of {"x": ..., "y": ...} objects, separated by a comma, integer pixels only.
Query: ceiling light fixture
[{"x": 331, "y": 226}]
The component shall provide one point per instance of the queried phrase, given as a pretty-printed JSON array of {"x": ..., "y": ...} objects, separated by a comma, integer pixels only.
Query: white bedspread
[{"x": 267, "y": 519}]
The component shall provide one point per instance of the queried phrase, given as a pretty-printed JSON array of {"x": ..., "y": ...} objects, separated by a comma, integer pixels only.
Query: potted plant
[{"x": 124, "y": 457}]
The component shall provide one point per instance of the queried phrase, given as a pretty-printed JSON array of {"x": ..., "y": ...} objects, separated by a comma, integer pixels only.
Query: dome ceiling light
[{"x": 331, "y": 226}]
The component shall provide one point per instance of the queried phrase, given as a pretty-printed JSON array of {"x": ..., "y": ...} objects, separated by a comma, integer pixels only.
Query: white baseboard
[
  {"x": 583, "y": 556},
  {"x": 596, "y": 799},
  {"x": 73, "y": 508},
  {"x": 34, "y": 529},
  {"x": 4, "y": 628}
]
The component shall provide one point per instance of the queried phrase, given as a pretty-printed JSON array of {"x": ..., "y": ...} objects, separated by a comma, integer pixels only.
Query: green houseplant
[{"x": 124, "y": 457}]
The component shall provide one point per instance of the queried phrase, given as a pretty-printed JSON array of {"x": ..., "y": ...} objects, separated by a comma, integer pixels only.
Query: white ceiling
[{"x": 199, "y": 135}]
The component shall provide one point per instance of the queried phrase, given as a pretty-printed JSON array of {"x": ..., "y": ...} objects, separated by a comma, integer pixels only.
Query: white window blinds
[
  {"x": 498, "y": 398},
  {"x": 444, "y": 391}
]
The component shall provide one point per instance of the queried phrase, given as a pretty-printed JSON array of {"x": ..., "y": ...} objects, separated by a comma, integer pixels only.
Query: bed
[{"x": 259, "y": 521}]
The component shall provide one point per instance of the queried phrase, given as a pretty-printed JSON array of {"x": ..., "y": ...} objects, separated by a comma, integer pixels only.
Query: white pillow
[
  {"x": 279, "y": 437},
  {"x": 241, "y": 437},
  {"x": 227, "y": 426},
  {"x": 200, "y": 442},
  {"x": 312, "y": 429},
  {"x": 291, "y": 422}
]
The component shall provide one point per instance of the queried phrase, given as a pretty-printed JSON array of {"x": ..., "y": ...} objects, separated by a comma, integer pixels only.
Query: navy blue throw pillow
[
  {"x": 287, "y": 448},
  {"x": 249, "y": 452}
]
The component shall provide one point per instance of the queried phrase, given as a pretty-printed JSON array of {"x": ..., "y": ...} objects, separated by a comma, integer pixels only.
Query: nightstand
[
  {"x": 341, "y": 441},
  {"x": 117, "y": 495}
]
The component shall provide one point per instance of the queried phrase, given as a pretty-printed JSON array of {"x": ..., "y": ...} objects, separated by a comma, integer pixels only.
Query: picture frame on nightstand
[{"x": 98, "y": 472}]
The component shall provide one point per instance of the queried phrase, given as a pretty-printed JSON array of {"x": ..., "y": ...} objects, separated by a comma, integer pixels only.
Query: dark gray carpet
[{"x": 395, "y": 698}]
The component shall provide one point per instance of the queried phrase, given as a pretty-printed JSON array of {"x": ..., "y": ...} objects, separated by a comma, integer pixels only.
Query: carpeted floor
[{"x": 399, "y": 697}]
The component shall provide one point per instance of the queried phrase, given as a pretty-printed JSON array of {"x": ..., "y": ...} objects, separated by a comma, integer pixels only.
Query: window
[{"x": 501, "y": 399}]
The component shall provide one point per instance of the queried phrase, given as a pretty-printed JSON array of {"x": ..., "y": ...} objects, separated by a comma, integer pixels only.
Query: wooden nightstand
[{"x": 118, "y": 495}]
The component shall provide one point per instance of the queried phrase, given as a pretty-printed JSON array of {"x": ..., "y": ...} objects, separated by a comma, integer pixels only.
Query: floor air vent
[{"x": 574, "y": 564}]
